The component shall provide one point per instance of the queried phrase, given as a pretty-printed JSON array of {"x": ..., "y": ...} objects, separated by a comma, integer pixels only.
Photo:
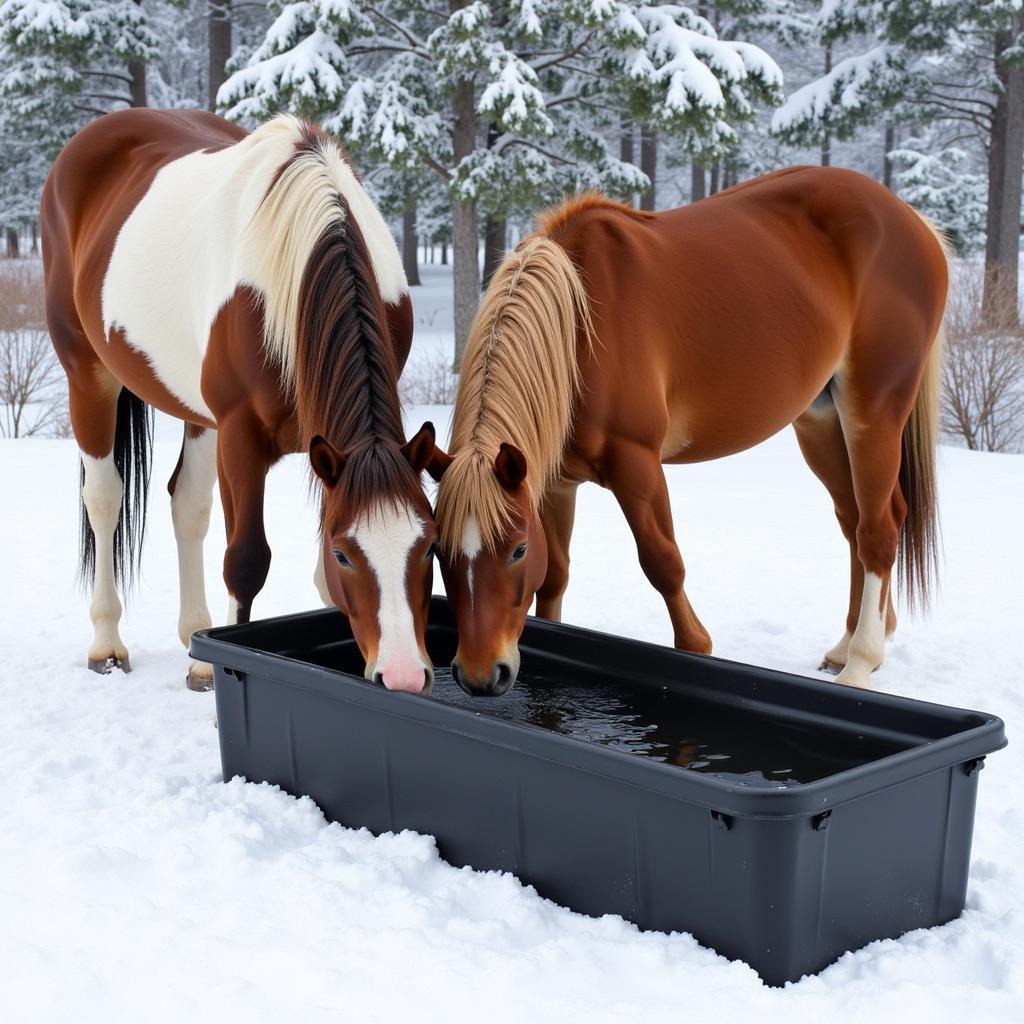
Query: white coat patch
[
  {"x": 385, "y": 537},
  {"x": 472, "y": 542},
  {"x": 184, "y": 251}
]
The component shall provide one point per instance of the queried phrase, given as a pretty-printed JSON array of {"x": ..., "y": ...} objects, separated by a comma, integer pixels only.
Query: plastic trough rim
[{"x": 718, "y": 795}]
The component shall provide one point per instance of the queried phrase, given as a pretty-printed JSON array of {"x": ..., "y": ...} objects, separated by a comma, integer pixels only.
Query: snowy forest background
[{"x": 466, "y": 117}]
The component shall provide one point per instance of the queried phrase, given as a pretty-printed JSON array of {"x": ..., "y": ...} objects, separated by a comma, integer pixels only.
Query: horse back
[
  {"x": 105, "y": 169},
  {"x": 719, "y": 322}
]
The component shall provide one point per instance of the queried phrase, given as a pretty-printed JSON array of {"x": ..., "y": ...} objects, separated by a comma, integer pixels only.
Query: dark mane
[{"x": 345, "y": 373}]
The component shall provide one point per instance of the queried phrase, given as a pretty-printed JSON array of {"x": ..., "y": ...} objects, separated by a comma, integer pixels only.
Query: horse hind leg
[
  {"x": 94, "y": 420},
  {"x": 820, "y": 436},
  {"x": 873, "y": 431},
  {"x": 102, "y": 493},
  {"x": 191, "y": 490}
]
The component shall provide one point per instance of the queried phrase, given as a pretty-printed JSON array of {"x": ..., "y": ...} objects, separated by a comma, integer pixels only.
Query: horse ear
[
  {"x": 438, "y": 462},
  {"x": 420, "y": 448},
  {"x": 510, "y": 466},
  {"x": 326, "y": 460}
]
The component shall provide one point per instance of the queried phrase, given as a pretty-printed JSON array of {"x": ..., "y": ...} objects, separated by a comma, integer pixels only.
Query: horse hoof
[
  {"x": 104, "y": 666},
  {"x": 198, "y": 682},
  {"x": 833, "y": 668}
]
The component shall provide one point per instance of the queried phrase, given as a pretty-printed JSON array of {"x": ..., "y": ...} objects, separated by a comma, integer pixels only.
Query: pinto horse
[
  {"x": 247, "y": 285},
  {"x": 612, "y": 341}
]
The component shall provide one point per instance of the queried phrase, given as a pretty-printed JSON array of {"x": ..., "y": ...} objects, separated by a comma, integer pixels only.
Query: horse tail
[
  {"x": 918, "y": 556},
  {"x": 133, "y": 456}
]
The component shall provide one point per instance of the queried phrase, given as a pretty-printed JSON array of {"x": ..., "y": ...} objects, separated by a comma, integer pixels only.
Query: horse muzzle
[{"x": 493, "y": 681}]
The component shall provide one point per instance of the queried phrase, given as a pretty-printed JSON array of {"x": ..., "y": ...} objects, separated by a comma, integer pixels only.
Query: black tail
[{"x": 133, "y": 451}]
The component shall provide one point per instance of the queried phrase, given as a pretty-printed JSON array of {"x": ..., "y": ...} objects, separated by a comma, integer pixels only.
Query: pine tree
[
  {"x": 90, "y": 53},
  {"x": 511, "y": 104},
  {"x": 939, "y": 182},
  {"x": 959, "y": 61}
]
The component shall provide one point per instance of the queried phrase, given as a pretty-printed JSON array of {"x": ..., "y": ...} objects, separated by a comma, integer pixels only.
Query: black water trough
[{"x": 780, "y": 820}]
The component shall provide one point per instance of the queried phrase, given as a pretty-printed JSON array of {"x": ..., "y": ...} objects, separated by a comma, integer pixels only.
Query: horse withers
[
  {"x": 613, "y": 340},
  {"x": 247, "y": 285}
]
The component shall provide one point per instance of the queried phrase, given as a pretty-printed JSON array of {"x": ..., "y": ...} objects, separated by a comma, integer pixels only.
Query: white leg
[
  {"x": 320, "y": 579},
  {"x": 190, "y": 511},
  {"x": 839, "y": 653},
  {"x": 102, "y": 492},
  {"x": 867, "y": 645}
]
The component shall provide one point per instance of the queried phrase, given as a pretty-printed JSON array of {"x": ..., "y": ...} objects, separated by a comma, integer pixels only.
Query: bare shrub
[
  {"x": 428, "y": 380},
  {"x": 33, "y": 389},
  {"x": 983, "y": 371}
]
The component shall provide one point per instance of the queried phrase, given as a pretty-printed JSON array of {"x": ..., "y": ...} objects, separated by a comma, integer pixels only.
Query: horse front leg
[
  {"x": 636, "y": 478},
  {"x": 243, "y": 458},
  {"x": 191, "y": 490},
  {"x": 558, "y": 514},
  {"x": 320, "y": 575}
]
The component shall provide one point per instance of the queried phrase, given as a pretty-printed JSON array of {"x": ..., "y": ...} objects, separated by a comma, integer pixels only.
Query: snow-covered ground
[{"x": 135, "y": 885}]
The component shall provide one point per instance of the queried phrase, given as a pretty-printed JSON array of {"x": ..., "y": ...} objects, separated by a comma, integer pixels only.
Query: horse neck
[
  {"x": 346, "y": 380},
  {"x": 521, "y": 374}
]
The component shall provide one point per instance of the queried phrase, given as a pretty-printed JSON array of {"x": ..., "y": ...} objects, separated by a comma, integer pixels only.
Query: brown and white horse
[
  {"x": 246, "y": 284},
  {"x": 612, "y": 341}
]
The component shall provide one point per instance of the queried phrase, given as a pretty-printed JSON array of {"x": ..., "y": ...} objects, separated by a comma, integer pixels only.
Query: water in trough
[
  {"x": 699, "y": 736},
  {"x": 667, "y": 724}
]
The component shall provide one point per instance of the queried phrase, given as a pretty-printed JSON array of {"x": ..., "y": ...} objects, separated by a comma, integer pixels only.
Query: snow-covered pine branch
[
  {"x": 846, "y": 97},
  {"x": 510, "y": 103},
  {"x": 940, "y": 182}
]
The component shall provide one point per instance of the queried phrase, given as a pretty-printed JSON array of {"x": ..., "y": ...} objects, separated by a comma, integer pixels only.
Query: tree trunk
[
  {"x": 649, "y": 165},
  {"x": 410, "y": 260},
  {"x": 890, "y": 145},
  {"x": 698, "y": 182},
  {"x": 35, "y": 238},
  {"x": 465, "y": 257},
  {"x": 716, "y": 169},
  {"x": 137, "y": 73},
  {"x": 626, "y": 131},
  {"x": 444, "y": 252},
  {"x": 495, "y": 245},
  {"x": 137, "y": 88},
  {"x": 13, "y": 250},
  {"x": 1005, "y": 166},
  {"x": 495, "y": 227},
  {"x": 826, "y": 139},
  {"x": 218, "y": 31}
]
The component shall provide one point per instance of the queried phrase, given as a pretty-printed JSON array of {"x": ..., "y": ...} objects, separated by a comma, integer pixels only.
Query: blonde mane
[
  {"x": 519, "y": 381},
  {"x": 312, "y": 192}
]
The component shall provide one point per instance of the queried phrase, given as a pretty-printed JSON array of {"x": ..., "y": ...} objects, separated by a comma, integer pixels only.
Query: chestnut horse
[
  {"x": 612, "y": 341},
  {"x": 246, "y": 284}
]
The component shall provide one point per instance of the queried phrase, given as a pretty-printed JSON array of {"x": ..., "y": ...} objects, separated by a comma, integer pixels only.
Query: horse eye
[
  {"x": 432, "y": 550},
  {"x": 518, "y": 553},
  {"x": 342, "y": 559}
]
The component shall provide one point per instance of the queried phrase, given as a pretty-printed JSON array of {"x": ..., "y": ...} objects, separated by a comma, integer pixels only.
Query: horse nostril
[
  {"x": 378, "y": 678},
  {"x": 428, "y": 682},
  {"x": 503, "y": 680},
  {"x": 457, "y": 676}
]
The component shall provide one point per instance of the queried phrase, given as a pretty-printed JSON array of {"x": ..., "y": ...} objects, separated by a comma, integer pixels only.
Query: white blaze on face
[
  {"x": 471, "y": 545},
  {"x": 385, "y": 537}
]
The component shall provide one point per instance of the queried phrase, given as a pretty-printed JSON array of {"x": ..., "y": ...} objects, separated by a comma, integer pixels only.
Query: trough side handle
[
  {"x": 721, "y": 820},
  {"x": 819, "y": 822}
]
